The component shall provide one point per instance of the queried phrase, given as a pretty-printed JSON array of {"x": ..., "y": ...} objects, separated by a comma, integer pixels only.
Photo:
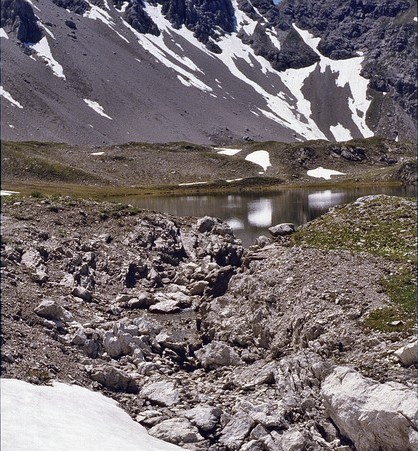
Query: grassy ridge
[{"x": 384, "y": 226}]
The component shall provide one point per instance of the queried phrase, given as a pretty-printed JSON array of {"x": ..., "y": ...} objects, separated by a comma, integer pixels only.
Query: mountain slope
[{"x": 204, "y": 71}]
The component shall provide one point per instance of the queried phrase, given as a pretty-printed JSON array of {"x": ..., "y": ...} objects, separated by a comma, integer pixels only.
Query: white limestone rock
[
  {"x": 372, "y": 415},
  {"x": 408, "y": 355}
]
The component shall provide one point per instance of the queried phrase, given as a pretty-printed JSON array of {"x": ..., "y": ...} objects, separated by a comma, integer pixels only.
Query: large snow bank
[{"x": 68, "y": 418}]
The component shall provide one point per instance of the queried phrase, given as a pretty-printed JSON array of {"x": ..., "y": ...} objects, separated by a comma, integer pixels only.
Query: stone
[
  {"x": 52, "y": 310},
  {"x": 31, "y": 258},
  {"x": 204, "y": 417},
  {"x": 162, "y": 393},
  {"x": 168, "y": 306},
  {"x": 198, "y": 287},
  {"x": 286, "y": 228},
  {"x": 206, "y": 224},
  {"x": 142, "y": 300},
  {"x": 236, "y": 430},
  {"x": 114, "y": 379},
  {"x": 408, "y": 355},
  {"x": 176, "y": 430},
  {"x": 217, "y": 354},
  {"x": 293, "y": 440},
  {"x": 82, "y": 293},
  {"x": 370, "y": 414}
]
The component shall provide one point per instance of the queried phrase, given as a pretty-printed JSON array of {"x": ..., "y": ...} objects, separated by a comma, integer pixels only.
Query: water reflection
[{"x": 250, "y": 215}]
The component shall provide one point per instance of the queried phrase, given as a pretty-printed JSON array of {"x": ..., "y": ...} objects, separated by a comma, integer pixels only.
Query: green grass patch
[{"x": 402, "y": 290}]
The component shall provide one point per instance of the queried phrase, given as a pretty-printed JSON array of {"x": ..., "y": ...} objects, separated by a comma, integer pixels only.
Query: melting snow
[
  {"x": 415, "y": 19},
  {"x": 348, "y": 71},
  {"x": 260, "y": 157},
  {"x": 68, "y": 417},
  {"x": 8, "y": 97},
  {"x": 7, "y": 193},
  {"x": 193, "y": 183},
  {"x": 340, "y": 133},
  {"x": 11, "y": 126},
  {"x": 43, "y": 50},
  {"x": 124, "y": 6},
  {"x": 157, "y": 47},
  {"x": 96, "y": 107},
  {"x": 97, "y": 153},
  {"x": 31, "y": 3},
  {"x": 96, "y": 13},
  {"x": 3, "y": 34},
  {"x": 233, "y": 180},
  {"x": 260, "y": 212},
  {"x": 226, "y": 151},
  {"x": 47, "y": 30},
  {"x": 323, "y": 173}
]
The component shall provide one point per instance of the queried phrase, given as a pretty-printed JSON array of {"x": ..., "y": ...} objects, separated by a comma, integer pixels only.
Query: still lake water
[{"x": 250, "y": 215}]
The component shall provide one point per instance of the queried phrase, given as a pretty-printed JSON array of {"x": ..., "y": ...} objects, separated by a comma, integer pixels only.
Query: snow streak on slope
[
  {"x": 281, "y": 112},
  {"x": 158, "y": 48},
  {"x": 43, "y": 50},
  {"x": 3, "y": 34},
  {"x": 68, "y": 417},
  {"x": 8, "y": 97},
  {"x": 260, "y": 157},
  {"x": 340, "y": 133},
  {"x": 348, "y": 71},
  {"x": 97, "y": 108}
]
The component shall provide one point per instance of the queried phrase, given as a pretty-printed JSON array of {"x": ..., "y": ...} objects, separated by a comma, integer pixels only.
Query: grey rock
[
  {"x": 162, "y": 393},
  {"x": 115, "y": 379},
  {"x": 142, "y": 300},
  {"x": 198, "y": 287},
  {"x": 52, "y": 310},
  {"x": 217, "y": 354},
  {"x": 168, "y": 306},
  {"x": 371, "y": 415},
  {"x": 82, "y": 293},
  {"x": 236, "y": 430},
  {"x": 176, "y": 430},
  {"x": 206, "y": 224},
  {"x": 408, "y": 355},
  {"x": 204, "y": 417},
  {"x": 286, "y": 228}
]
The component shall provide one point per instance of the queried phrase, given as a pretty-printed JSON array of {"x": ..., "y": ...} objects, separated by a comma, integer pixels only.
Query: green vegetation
[{"x": 383, "y": 226}]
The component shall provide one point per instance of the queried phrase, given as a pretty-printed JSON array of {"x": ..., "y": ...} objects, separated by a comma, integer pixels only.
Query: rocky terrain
[
  {"x": 106, "y": 72},
  {"x": 304, "y": 341}
]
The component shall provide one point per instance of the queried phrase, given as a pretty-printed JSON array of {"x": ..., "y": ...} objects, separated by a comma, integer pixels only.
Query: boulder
[
  {"x": 114, "y": 379},
  {"x": 162, "y": 393},
  {"x": 176, "y": 430},
  {"x": 82, "y": 293},
  {"x": 286, "y": 228},
  {"x": 372, "y": 415},
  {"x": 236, "y": 430},
  {"x": 204, "y": 417},
  {"x": 408, "y": 355},
  {"x": 217, "y": 354},
  {"x": 52, "y": 310}
]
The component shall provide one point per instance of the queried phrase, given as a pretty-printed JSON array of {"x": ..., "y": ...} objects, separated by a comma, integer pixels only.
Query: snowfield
[{"x": 68, "y": 418}]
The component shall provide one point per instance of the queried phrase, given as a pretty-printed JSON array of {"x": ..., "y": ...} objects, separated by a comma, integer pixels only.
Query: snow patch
[
  {"x": 31, "y": 3},
  {"x": 43, "y": 50},
  {"x": 97, "y": 108},
  {"x": 415, "y": 19},
  {"x": 193, "y": 183},
  {"x": 233, "y": 180},
  {"x": 11, "y": 126},
  {"x": 340, "y": 133},
  {"x": 260, "y": 157},
  {"x": 3, "y": 34},
  {"x": 97, "y": 153},
  {"x": 47, "y": 30},
  {"x": 68, "y": 417},
  {"x": 348, "y": 71},
  {"x": 7, "y": 193},
  {"x": 8, "y": 97},
  {"x": 226, "y": 151},
  {"x": 323, "y": 173}
]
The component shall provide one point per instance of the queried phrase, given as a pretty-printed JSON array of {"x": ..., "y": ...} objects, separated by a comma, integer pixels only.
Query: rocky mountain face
[
  {"x": 219, "y": 71},
  {"x": 209, "y": 345}
]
